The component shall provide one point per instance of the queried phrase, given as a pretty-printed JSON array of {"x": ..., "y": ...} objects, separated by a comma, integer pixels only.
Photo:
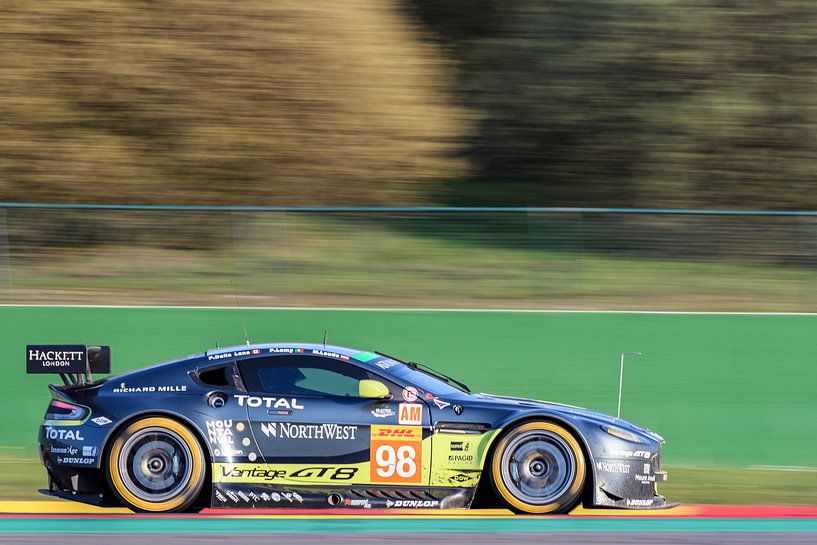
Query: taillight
[{"x": 65, "y": 413}]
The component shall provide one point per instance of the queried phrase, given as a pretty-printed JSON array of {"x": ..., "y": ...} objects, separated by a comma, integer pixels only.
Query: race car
[{"x": 317, "y": 426}]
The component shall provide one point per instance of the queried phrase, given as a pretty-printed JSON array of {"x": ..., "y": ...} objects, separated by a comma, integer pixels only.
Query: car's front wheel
[
  {"x": 156, "y": 464},
  {"x": 538, "y": 468}
]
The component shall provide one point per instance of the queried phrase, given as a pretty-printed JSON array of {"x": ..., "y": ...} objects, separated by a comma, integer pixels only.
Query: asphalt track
[{"x": 68, "y": 523}]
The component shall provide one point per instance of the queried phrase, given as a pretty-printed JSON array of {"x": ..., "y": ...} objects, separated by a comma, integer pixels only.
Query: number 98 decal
[{"x": 396, "y": 454}]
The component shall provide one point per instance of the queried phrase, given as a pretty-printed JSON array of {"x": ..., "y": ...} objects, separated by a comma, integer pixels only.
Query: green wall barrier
[{"x": 724, "y": 390}]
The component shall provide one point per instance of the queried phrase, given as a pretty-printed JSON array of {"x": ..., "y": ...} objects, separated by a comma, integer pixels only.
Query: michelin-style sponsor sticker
[
  {"x": 219, "y": 432},
  {"x": 362, "y": 503},
  {"x": 328, "y": 354},
  {"x": 268, "y": 402},
  {"x": 410, "y": 394},
  {"x": 382, "y": 412},
  {"x": 411, "y": 504},
  {"x": 70, "y": 451},
  {"x": 461, "y": 458},
  {"x": 124, "y": 389},
  {"x": 410, "y": 414},
  {"x": 76, "y": 461},
  {"x": 287, "y": 430},
  {"x": 231, "y": 452},
  {"x": 440, "y": 403},
  {"x": 60, "y": 358},
  {"x": 631, "y": 454},
  {"x": 235, "y": 354},
  {"x": 89, "y": 451},
  {"x": 609, "y": 467},
  {"x": 461, "y": 479},
  {"x": 385, "y": 364},
  {"x": 263, "y": 473},
  {"x": 101, "y": 421}
]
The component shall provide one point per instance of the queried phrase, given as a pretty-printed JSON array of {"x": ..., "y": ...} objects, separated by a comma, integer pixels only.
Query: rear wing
[{"x": 73, "y": 362}]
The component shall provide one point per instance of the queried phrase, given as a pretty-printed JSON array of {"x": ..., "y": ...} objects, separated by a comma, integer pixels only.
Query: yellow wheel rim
[
  {"x": 572, "y": 491},
  {"x": 194, "y": 479}
]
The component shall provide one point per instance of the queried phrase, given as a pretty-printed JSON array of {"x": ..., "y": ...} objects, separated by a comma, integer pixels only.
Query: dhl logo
[{"x": 397, "y": 432}]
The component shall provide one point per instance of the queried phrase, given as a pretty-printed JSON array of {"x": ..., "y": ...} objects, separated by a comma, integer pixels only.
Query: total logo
[
  {"x": 411, "y": 504},
  {"x": 63, "y": 435},
  {"x": 268, "y": 402}
]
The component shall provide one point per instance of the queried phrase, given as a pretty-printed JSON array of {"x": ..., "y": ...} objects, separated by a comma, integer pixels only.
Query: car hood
[{"x": 601, "y": 418}]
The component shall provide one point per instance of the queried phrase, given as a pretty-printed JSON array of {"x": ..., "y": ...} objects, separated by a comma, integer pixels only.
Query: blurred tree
[
  {"x": 679, "y": 103},
  {"x": 215, "y": 101}
]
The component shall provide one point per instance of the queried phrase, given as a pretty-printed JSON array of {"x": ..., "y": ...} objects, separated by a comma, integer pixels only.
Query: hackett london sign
[{"x": 56, "y": 358}]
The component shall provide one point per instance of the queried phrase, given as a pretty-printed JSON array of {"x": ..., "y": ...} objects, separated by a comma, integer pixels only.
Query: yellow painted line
[
  {"x": 681, "y": 510},
  {"x": 66, "y": 507}
]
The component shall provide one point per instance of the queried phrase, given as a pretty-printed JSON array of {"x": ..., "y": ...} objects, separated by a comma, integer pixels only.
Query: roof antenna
[
  {"x": 240, "y": 313},
  {"x": 217, "y": 345},
  {"x": 325, "y": 333}
]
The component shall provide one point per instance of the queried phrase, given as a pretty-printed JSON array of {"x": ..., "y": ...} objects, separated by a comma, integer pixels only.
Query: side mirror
[{"x": 373, "y": 389}]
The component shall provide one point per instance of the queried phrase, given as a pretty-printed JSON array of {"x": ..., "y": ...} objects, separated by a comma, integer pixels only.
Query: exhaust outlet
[{"x": 334, "y": 499}]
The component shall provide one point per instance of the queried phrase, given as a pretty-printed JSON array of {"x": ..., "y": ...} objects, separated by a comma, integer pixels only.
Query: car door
[{"x": 312, "y": 427}]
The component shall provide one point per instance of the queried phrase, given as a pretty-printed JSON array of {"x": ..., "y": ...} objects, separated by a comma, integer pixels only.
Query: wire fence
[{"x": 526, "y": 258}]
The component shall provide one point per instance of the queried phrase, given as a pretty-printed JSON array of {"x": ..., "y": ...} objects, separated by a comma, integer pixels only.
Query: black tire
[
  {"x": 538, "y": 468},
  {"x": 156, "y": 465}
]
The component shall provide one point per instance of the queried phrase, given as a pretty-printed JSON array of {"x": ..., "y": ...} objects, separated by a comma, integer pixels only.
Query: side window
[{"x": 302, "y": 375}]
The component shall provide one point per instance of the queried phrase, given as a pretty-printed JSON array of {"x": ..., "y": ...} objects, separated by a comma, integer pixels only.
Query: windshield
[{"x": 427, "y": 380}]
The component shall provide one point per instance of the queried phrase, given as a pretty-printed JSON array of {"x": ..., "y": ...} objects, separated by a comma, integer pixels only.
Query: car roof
[
  {"x": 229, "y": 354},
  {"x": 242, "y": 350}
]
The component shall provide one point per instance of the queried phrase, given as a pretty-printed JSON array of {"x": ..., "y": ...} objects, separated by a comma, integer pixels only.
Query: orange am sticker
[
  {"x": 410, "y": 414},
  {"x": 396, "y": 454}
]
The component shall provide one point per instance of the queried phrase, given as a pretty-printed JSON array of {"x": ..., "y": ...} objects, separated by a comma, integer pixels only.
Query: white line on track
[{"x": 387, "y": 309}]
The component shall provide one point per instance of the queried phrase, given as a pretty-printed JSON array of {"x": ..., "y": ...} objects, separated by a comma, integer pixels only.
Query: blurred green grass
[
  {"x": 24, "y": 476},
  {"x": 310, "y": 261}
]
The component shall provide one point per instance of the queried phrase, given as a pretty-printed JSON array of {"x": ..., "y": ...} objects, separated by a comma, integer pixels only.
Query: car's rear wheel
[
  {"x": 156, "y": 464},
  {"x": 538, "y": 468}
]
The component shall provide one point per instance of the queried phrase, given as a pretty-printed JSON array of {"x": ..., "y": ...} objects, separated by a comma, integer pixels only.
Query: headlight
[{"x": 623, "y": 434}]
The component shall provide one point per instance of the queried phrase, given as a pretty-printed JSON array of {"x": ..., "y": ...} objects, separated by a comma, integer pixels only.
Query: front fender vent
[{"x": 461, "y": 427}]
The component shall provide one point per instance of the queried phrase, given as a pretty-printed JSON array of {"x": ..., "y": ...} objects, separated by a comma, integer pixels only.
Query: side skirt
[{"x": 266, "y": 496}]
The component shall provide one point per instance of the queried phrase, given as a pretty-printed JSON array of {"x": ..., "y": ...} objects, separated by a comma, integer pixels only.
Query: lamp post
[{"x": 621, "y": 378}]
